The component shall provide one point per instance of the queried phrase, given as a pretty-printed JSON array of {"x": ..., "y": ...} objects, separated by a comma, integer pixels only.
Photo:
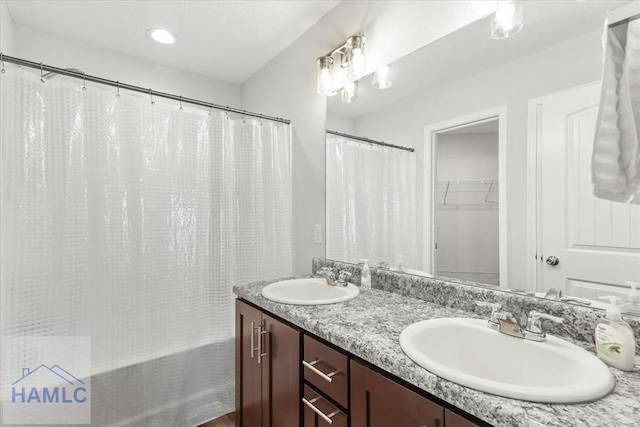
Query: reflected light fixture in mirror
[
  {"x": 355, "y": 57},
  {"x": 325, "y": 76},
  {"x": 507, "y": 19},
  {"x": 349, "y": 92},
  {"x": 352, "y": 67},
  {"x": 382, "y": 78}
]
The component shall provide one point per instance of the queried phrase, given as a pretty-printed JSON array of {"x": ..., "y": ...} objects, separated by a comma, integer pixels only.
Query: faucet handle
[
  {"x": 495, "y": 310},
  {"x": 495, "y": 306},
  {"x": 534, "y": 322},
  {"x": 343, "y": 277},
  {"x": 327, "y": 274}
]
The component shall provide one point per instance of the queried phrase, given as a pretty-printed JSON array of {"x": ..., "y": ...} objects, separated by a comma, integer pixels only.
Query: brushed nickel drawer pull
[
  {"x": 327, "y": 377},
  {"x": 327, "y": 418},
  {"x": 253, "y": 347}
]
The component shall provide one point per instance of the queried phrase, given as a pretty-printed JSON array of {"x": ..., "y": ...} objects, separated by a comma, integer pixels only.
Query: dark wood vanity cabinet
[
  {"x": 267, "y": 373},
  {"x": 326, "y": 389},
  {"x": 377, "y": 401},
  {"x": 451, "y": 419},
  {"x": 334, "y": 390}
]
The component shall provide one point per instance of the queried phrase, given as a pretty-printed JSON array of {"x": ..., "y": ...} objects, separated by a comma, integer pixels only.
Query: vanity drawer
[
  {"x": 327, "y": 369},
  {"x": 318, "y": 412}
]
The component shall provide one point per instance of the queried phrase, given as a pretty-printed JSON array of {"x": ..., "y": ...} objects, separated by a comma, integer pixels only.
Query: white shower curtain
[
  {"x": 370, "y": 202},
  {"x": 129, "y": 223}
]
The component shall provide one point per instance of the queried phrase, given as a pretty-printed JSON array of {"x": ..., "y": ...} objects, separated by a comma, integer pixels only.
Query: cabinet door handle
[
  {"x": 327, "y": 377},
  {"x": 253, "y": 344},
  {"x": 327, "y": 418},
  {"x": 261, "y": 353}
]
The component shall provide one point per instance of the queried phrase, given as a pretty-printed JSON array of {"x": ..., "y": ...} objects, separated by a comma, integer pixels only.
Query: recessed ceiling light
[{"x": 161, "y": 36}]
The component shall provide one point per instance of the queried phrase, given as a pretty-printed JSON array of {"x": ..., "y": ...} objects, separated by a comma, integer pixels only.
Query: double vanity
[{"x": 418, "y": 351}]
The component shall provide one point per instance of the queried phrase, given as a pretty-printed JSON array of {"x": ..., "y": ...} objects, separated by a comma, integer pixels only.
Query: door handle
[{"x": 552, "y": 261}]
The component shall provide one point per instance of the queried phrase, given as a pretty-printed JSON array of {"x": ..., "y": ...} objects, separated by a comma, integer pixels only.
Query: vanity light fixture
[
  {"x": 349, "y": 92},
  {"x": 352, "y": 66},
  {"x": 382, "y": 78},
  {"x": 355, "y": 57},
  {"x": 507, "y": 19},
  {"x": 325, "y": 76},
  {"x": 161, "y": 36}
]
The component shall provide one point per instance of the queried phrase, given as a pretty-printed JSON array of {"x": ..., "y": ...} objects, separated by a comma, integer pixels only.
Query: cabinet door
[
  {"x": 280, "y": 374},
  {"x": 377, "y": 401},
  {"x": 452, "y": 419},
  {"x": 248, "y": 371}
]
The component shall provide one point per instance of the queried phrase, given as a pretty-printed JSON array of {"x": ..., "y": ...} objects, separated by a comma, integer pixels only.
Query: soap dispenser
[
  {"x": 615, "y": 343},
  {"x": 365, "y": 275},
  {"x": 401, "y": 267},
  {"x": 632, "y": 305}
]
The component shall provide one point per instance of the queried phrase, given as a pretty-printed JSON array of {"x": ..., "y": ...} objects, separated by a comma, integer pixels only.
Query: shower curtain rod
[
  {"x": 370, "y": 141},
  {"x": 86, "y": 77}
]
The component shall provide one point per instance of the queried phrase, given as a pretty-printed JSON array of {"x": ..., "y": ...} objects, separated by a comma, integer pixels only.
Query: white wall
[
  {"x": 569, "y": 64},
  {"x": 286, "y": 87},
  {"x": 40, "y": 46},
  {"x": 467, "y": 156},
  {"x": 472, "y": 225},
  {"x": 341, "y": 123},
  {"x": 6, "y": 30}
]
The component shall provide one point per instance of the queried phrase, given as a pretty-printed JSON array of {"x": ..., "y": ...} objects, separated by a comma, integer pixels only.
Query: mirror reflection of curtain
[
  {"x": 370, "y": 202},
  {"x": 130, "y": 223}
]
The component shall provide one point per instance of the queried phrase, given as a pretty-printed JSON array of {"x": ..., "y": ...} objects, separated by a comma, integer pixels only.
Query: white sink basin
[
  {"x": 467, "y": 352},
  {"x": 308, "y": 292}
]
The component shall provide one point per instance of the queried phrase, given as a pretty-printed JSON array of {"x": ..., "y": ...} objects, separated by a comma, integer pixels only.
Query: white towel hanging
[{"x": 616, "y": 151}]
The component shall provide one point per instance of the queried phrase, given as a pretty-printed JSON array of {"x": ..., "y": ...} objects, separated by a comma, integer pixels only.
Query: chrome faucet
[
  {"x": 343, "y": 279},
  {"x": 534, "y": 329},
  {"x": 327, "y": 274},
  {"x": 493, "y": 322},
  {"x": 504, "y": 322}
]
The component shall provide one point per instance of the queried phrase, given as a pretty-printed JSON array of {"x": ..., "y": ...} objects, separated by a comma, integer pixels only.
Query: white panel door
[{"x": 596, "y": 242}]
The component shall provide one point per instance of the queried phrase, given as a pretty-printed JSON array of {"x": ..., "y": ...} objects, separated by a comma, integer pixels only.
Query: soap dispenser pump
[
  {"x": 401, "y": 267},
  {"x": 365, "y": 275},
  {"x": 632, "y": 305},
  {"x": 615, "y": 343}
]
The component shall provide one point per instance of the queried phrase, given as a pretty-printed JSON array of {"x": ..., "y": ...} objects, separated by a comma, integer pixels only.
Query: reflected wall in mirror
[{"x": 556, "y": 57}]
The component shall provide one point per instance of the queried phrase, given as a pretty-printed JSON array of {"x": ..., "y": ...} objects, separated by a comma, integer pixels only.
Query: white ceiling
[{"x": 225, "y": 40}]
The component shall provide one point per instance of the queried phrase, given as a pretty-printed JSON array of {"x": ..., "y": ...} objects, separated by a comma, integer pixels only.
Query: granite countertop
[{"x": 369, "y": 327}]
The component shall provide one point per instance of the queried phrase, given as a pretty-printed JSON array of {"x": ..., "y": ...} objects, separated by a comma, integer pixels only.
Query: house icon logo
[
  {"x": 48, "y": 385},
  {"x": 45, "y": 380}
]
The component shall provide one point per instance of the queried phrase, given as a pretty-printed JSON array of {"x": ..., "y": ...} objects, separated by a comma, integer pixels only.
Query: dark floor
[{"x": 224, "y": 421}]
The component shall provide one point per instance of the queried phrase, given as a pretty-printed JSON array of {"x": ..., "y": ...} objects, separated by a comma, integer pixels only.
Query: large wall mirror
[{"x": 485, "y": 175}]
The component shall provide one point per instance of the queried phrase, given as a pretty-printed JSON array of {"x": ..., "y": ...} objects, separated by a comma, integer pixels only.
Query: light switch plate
[{"x": 317, "y": 238}]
